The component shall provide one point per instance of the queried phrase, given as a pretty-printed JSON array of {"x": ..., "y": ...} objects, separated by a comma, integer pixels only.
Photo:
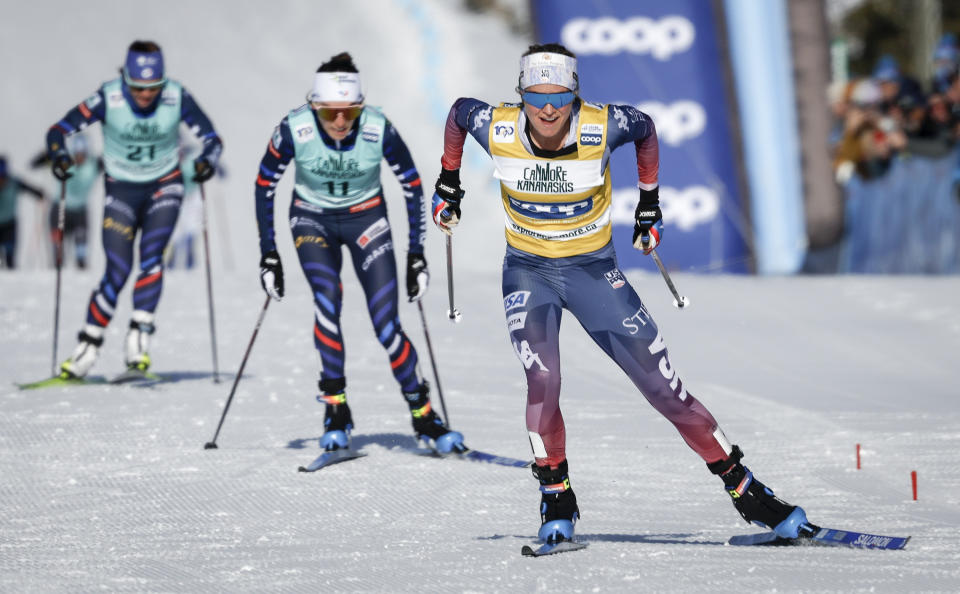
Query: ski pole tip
[
  {"x": 210, "y": 446},
  {"x": 454, "y": 316},
  {"x": 683, "y": 302}
]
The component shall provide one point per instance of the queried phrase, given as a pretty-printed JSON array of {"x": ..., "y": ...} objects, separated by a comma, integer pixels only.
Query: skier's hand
[
  {"x": 61, "y": 165},
  {"x": 446, "y": 200},
  {"x": 202, "y": 170},
  {"x": 418, "y": 277},
  {"x": 647, "y": 221},
  {"x": 271, "y": 274}
]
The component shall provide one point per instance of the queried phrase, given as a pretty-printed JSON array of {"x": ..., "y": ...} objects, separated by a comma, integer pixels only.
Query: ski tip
[
  {"x": 301, "y": 468},
  {"x": 527, "y": 551}
]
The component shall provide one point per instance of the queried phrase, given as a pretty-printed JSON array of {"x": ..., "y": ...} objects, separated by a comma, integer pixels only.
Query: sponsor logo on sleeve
[
  {"x": 503, "y": 131},
  {"x": 303, "y": 133},
  {"x": 115, "y": 99},
  {"x": 277, "y": 138},
  {"x": 370, "y": 133},
  {"x": 93, "y": 100}
]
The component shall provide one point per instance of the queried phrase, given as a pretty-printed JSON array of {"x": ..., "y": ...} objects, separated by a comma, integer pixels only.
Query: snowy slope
[{"x": 109, "y": 488}]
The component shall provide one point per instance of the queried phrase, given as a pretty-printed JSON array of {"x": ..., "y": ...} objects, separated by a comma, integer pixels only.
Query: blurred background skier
[
  {"x": 337, "y": 143},
  {"x": 86, "y": 169},
  {"x": 10, "y": 188},
  {"x": 141, "y": 112}
]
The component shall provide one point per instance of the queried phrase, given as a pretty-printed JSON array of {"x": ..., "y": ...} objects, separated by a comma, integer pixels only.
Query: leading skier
[{"x": 551, "y": 154}]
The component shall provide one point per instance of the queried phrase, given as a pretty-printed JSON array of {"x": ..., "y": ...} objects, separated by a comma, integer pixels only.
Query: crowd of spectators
[{"x": 890, "y": 113}]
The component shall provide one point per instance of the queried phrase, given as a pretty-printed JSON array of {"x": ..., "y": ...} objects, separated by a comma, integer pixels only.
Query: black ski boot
[
  {"x": 756, "y": 502},
  {"x": 558, "y": 504},
  {"x": 337, "y": 421},
  {"x": 428, "y": 426}
]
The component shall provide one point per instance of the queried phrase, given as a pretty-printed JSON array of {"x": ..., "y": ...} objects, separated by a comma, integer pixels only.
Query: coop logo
[
  {"x": 639, "y": 35},
  {"x": 503, "y": 131},
  {"x": 591, "y": 134},
  {"x": 682, "y": 208},
  {"x": 677, "y": 121}
]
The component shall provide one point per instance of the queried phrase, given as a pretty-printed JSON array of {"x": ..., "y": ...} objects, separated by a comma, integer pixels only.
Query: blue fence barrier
[{"x": 906, "y": 222}]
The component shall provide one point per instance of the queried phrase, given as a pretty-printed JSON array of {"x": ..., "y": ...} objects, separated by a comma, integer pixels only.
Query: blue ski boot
[
  {"x": 337, "y": 421},
  {"x": 558, "y": 504},
  {"x": 429, "y": 427},
  {"x": 755, "y": 501}
]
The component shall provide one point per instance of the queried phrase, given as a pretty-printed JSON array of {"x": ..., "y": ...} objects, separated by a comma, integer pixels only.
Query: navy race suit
[{"x": 326, "y": 216}]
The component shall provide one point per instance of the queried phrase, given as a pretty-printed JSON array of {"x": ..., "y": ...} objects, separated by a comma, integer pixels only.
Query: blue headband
[{"x": 144, "y": 69}]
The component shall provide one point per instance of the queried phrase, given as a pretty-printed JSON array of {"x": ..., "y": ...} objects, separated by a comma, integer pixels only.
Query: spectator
[{"x": 10, "y": 189}]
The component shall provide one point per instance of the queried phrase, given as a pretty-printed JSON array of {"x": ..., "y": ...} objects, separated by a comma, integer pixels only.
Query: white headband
[
  {"x": 548, "y": 68},
  {"x": 336, "y": 86}
]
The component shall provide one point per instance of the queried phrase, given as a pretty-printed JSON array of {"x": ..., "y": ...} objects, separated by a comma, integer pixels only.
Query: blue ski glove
[
  {"x": 446, "y": 200},
  {"x": 648, "y": 221}
]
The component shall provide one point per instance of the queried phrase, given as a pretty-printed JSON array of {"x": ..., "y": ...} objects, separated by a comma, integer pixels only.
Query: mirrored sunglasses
[
  {"x": 350, "y": 112},
  {"x": 541, "y": 100}
]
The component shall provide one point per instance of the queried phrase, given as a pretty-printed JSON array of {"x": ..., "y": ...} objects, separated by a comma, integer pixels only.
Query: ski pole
[
  {"x": 206, "y": 255},
  {"x": 433, "y": 363},
  {"x": 212, "y": 444},
  {"x": 678, "y": 301},
  {"x": 453, "y": 313},
  {"x": 58, "y": 261}
]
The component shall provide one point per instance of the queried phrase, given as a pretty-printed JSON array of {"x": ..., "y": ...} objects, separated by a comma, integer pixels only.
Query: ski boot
[
  {"x": 558, "y": 504},
  {"x": 138, "y": 341},
  {"x": 337, "y": 420},
  {"x": 85, "y": 355},
  {"x": 755, "y": 501},
  {"x": 428, "y": 426}
]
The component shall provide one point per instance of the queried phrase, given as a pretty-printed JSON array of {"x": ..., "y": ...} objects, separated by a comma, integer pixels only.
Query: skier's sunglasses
[
  {"x": 329, "y": 114},
  {"x": 541, "y": 100}
]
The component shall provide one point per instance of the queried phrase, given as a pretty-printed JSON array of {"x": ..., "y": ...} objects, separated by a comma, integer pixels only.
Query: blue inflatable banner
[{"x": 663, "y": 58}]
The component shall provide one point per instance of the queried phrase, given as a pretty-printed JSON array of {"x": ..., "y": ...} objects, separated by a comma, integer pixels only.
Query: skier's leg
[
  {"x": 318, "y": 246},
  {"x": 615, "y": 318},
  {"x": 158, "y": 219},
  {"x": 118, "y": 233},
  {"x": 371, "y": 250}
]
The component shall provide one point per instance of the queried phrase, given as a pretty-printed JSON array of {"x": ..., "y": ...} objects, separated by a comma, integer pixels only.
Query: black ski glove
[
  {"x": 271, "y": 274},
  {"x": 648, "y": 221},
  {"x": 446, "y": 200},
  {"x": 61, "y": 164},
  {"x": 418, "y": 277},
  {"x": 203, "y": 170}
]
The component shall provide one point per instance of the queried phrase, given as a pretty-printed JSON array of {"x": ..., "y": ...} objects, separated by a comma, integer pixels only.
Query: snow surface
[{"x": 110, "y": 489}]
